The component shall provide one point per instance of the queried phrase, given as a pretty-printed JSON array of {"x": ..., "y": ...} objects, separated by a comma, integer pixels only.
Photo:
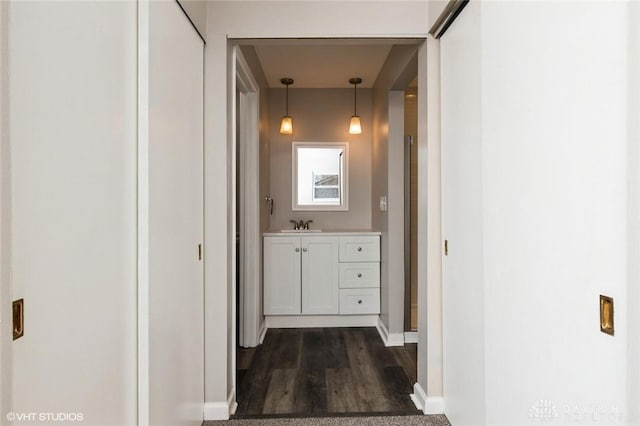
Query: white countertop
[{"x": 328, "y": 232}]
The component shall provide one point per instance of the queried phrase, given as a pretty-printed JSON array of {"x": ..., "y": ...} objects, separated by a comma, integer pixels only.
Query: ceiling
[{"x": 322, "y": 64}]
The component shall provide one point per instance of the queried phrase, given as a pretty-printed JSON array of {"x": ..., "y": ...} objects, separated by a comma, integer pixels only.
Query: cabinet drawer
[
  {"x": 359, "y": 274},
  {"x": 359, "y": 301},
  {"x": 360, "y": 249}
]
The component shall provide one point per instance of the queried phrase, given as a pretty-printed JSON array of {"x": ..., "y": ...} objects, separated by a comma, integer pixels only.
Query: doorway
[{"x": 244, "y": 357}]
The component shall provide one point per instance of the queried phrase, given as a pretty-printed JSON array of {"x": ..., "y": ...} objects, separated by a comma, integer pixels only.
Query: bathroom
[{"x": 377, "y": 175}]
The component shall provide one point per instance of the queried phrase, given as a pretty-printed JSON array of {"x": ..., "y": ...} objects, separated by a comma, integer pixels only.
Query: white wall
[
  {"x": 553, "y": 175},
  {"x": 5, "y": 219},
  {"x": 633, "y": 165},
  {"x": 321, "y": 115},
  {"x": 263, "y": 19},
  {"x": 73, "y": 174},
  {"x": 388, "y": 180}
]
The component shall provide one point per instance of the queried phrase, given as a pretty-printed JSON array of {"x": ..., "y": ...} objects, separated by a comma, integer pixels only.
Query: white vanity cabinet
[
  {"x": 301, "y": 275},
  {"x": 333, "y": 274},
  {"x": 359, "y": 275}
]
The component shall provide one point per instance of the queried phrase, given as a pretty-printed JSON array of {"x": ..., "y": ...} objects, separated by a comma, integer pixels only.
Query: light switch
[{"x": 383, "y": 203}]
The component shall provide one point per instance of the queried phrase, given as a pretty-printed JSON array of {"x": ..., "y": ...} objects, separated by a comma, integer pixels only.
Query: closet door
[
  {"x": 463, "y": 294},
  {"x": 175, "y": 219},
  {"x": 73, "y": 100}
]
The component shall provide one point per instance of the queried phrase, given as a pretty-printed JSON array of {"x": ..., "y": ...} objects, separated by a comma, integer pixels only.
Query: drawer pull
[
  {"x": 359, "y": 301},
  {"x": 304, "y": 250},
  {"x": 359, "y": 275},
  {"x": 359, "y": 248},
  {"x": 297, "y": 249}
]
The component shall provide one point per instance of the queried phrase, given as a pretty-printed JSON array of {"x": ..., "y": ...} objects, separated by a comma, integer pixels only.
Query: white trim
[
  {"x": 216, "y": 411},
  {"x": 231, "y": 402},
  {"x": 248, "y": 151},
  {"x": 304, "y": 321},
  {"x": 263, "y": 332},
  {"x": 427, "y": 404},
  {"x": 294, "y": 180},
  {"x": 434, "y": 405},
  {"x": 143, "y": 213},
  {"x": 389, "y": 339},
  {"x": 419, "y": 397},
  {"x": 221, "y": 410},
  {"x": 411, "y": 337}
]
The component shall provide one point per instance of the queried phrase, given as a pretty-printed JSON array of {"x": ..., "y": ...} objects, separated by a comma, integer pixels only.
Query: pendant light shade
[
  {"x": 286, "y": 125},
  {"x": 354, "y": 126}
]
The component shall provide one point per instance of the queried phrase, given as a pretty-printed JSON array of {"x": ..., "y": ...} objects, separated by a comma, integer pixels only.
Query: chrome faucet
[{"x": 301, "y": 224}]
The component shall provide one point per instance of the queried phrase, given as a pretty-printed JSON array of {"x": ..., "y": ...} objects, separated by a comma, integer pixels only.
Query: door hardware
[{"x": 18, "y": 318}]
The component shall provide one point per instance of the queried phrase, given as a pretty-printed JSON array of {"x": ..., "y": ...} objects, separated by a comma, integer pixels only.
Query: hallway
[{"x": 325, "y": 371}]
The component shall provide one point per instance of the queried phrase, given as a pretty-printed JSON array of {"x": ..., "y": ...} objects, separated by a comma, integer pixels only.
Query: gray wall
[
  {"x": 321, "y": 115},
  {"x": 388, "y": 179}
]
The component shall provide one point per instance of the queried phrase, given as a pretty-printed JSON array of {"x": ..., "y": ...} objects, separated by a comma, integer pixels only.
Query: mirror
[{"x": 319, "y": 176}]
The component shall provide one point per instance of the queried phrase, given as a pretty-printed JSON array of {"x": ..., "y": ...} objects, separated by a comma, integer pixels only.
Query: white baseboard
[
  {"x": 434, "y": 405},
  {"x": 216, "y": 410},
  {"x": 305, "y": 321},
  {"x": 231, "y": 402},
  {"x": 389, "y": 339},
  {"x": 428, "y": 404},
  {"x": 221, "y": 410},
  {"x": 263, "y": 331},
  {"x": 411, "y": 337}
]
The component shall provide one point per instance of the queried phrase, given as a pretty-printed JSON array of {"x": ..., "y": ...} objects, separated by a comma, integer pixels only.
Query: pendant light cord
[
  {"x": 286, "y": 100},
  {"x": 355, "y": 95}
]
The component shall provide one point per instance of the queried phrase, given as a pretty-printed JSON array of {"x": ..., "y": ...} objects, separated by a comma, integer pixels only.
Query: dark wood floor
[{"x": 324, "y": 371}]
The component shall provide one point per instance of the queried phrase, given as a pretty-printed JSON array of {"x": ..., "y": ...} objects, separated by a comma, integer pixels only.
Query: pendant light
[
  {"x": 286, "y": 125},
  {"x": 354, "y": 126}
]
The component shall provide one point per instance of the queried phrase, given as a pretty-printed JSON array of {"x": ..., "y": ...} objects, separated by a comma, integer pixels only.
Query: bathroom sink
[{"x": 301, "y": 230}]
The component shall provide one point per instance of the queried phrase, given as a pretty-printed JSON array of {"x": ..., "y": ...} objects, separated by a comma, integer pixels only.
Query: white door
[
  {"x": 463, "y": 304},
  {"x": 175, "y": 219},
  {"x": 282, "y": 275},
  {"x": 73, "y": 182},
  {"x": 320, "y": 275}
]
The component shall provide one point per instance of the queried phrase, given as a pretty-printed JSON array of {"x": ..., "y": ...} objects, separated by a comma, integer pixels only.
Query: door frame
[
  {"x": 428, "y": 388},
  {"x": 248, "y": 152}
]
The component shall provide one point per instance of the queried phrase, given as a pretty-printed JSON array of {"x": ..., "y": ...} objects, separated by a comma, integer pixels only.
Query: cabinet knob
[
  {"x": 297, "y": 249},
  {"x": 359, "y": 275},
  {"x": 359, "y": 248},
  {"x": 359, "y": 301},
  {"x": 304, "y": 249}
]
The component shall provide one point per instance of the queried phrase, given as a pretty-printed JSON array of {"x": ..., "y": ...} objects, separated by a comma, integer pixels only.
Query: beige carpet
[{"x": 419, "y": 420}]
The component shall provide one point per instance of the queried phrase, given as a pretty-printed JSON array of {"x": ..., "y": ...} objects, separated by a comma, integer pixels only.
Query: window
[{"x": 319, "y": 176}]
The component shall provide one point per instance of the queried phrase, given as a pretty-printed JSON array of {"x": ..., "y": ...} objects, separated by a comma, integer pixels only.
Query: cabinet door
[
  {"x": 320, "y": 275},
  {"x": 282, "y": 275}
]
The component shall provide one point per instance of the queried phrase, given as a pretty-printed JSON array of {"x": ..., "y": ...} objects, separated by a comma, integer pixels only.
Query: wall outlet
[{"x": 383, "y": 203}]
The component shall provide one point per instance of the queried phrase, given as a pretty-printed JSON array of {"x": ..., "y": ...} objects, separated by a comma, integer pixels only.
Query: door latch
[{"x": 18, "y": 318}]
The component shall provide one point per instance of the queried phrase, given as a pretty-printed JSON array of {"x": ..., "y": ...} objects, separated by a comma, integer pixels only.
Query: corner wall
[{"x": 387, "y": 171}]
